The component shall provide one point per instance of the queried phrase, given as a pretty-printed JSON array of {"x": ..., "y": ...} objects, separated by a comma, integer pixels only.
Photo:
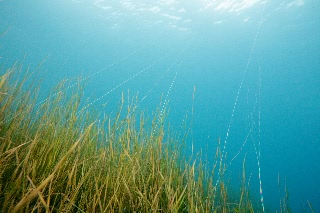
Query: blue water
[{"x": 254, "y": 66}]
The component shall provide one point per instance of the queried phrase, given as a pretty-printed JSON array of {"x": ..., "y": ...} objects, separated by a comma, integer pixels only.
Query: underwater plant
[{"x": 53, "y": 158}]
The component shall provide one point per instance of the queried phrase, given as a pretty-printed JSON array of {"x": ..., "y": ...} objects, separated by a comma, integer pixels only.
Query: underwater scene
[{"x": 160, "y": 106}]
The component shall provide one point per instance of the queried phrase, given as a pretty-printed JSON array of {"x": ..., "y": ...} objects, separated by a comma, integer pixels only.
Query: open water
[{"x": 245, "y": 71}]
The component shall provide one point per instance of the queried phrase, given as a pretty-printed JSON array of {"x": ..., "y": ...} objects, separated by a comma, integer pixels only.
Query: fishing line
[
  {"x": 166, "y": 100},
  {"x": 223, "y": 155},
  {"x": 123, "y": 82},
  {"x": 258, "y": 152}
]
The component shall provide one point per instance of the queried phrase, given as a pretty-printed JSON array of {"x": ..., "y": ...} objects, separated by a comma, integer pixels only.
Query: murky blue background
[{"x": 254, "y": 66}]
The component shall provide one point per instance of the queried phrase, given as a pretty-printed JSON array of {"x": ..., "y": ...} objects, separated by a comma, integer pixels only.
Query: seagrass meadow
[{"x": 56, "y": 157}]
